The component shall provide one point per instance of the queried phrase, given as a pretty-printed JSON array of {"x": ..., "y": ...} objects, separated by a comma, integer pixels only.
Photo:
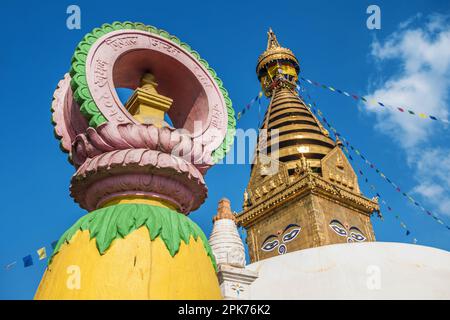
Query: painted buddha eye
[
  {"x": 338, "y": 228},
  {"x": 269, "y": 246},
  {"x": 357, "y": 237},
  {"x": 291, "y": 235}
]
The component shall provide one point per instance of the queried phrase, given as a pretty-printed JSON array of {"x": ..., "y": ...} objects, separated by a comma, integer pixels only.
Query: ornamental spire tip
[{"x": 272, "y": 41}]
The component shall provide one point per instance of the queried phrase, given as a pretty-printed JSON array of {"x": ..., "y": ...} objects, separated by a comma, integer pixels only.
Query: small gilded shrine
[{"x": 302, "y": 191}]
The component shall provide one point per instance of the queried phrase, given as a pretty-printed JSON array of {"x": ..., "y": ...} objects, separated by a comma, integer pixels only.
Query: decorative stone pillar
[
  {"x": 228, "y": 249},
  {"x": 137, "y": 176}
]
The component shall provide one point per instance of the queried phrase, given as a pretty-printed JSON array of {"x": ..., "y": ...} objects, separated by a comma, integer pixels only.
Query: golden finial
[
  {"x": 276, "y": 64},
  {"x": 272, "y": 41}
]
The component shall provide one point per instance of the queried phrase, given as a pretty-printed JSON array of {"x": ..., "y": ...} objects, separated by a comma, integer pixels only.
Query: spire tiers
[{"x": 299, "y": 132}]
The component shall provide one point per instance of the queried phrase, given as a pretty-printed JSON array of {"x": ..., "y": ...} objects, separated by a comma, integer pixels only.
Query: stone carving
[
  {"x": 123, "y": 161},
  {"x": 236, "y": 257},
  {"x": 114, "y": 154},
  {"x": 335, "y": 168},
  {"x": 125, "y": 43},
  {"x": 66, "y": 116},
  {"x": 110, "y": 136},
  {"x": 138, "y": 171}
]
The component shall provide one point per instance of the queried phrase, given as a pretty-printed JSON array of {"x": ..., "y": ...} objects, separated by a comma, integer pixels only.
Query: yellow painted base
[
  {"x": 140, "y": 200},
  {"x": 132, "y": 268}
]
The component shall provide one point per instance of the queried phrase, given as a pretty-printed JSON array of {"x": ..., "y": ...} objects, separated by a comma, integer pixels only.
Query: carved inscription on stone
[{"x": 122, "y": 42}]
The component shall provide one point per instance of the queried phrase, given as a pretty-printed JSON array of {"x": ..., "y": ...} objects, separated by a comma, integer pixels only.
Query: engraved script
[
  {"x": 122, "y": 42},
  {"x": 100, "y": 72},
  {"x": 164, "y": 46}
]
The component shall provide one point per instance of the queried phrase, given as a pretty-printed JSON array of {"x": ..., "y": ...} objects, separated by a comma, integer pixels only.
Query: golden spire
[
  {"x": 302, "y": 138},
  {"x": 276, "y": 65}
]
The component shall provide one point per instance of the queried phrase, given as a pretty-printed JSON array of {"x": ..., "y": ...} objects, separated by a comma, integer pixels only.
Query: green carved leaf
[{"x": 117, "y": 221}]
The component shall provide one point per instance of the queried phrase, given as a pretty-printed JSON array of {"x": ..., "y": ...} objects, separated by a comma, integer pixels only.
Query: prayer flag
[
  {"x": 27, "y": 261},
  {"x": 42, "y": 253}
]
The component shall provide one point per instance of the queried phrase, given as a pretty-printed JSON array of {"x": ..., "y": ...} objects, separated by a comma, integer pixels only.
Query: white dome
[{"x": 370, "y": 270}]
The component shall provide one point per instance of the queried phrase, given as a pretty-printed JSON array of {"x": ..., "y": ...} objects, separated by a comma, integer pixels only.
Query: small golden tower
[
  {"x": 309, "y": 196},
  {"x": 146, "y": 104}
]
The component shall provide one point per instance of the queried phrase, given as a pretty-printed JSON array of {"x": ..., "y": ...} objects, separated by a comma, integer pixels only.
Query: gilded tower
[{"x": 302, "y": 192}]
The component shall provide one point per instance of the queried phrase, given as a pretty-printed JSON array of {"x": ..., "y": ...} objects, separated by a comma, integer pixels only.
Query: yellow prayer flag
[
  {"x": 422, "y": 115},
  {"x": 42, "y": 253}
]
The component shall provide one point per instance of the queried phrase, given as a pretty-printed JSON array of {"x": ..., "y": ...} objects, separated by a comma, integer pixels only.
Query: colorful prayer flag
[
  {"x": 27, "y": 261},
  {"x": 372, "y": 101},
  {"x": 42, "y": 254}
]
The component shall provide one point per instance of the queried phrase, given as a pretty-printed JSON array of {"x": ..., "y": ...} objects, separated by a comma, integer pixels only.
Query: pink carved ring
[
  {"x": 118, "y": 55},
  {"x": 114, "y": 154}
]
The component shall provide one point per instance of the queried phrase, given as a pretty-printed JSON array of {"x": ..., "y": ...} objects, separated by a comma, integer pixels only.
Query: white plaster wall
[{"x": 369, "y": 270}]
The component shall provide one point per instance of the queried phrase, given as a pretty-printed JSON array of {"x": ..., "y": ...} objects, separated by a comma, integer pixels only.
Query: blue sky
[{"x": 406, "y": 62}]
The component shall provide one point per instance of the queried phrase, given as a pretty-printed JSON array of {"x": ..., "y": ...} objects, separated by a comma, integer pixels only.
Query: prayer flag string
[
  {"x": 27, "y": 260},
  {"x": 367, "y": 181},
  {"x": 249, "y": 105},
  {"x": 372, "y": 165},
  {"x": 373, "y": 102}
]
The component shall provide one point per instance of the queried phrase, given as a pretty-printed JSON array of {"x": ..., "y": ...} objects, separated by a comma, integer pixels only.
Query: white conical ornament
[
  {"x": 228, "y": 249},
  {"x": 225, "y": 241}
]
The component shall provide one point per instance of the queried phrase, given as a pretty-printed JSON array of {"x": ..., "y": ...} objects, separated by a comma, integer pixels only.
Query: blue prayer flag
[{"x": 27, "y": 261}]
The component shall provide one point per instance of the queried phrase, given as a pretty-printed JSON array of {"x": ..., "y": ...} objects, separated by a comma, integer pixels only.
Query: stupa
[
  {"x": 312, "y": 198},
  {"x": 228, "y": 249},
  {"x": 309, "y": 233}
]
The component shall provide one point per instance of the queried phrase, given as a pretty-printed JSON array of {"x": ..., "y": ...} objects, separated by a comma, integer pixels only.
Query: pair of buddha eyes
[
  {"x": 353, "y": 234},
  {"x": 272, "y": 241}
]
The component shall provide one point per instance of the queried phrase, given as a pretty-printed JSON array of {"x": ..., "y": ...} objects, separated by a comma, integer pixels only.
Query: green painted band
[{"x": 117, "y": 221}]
